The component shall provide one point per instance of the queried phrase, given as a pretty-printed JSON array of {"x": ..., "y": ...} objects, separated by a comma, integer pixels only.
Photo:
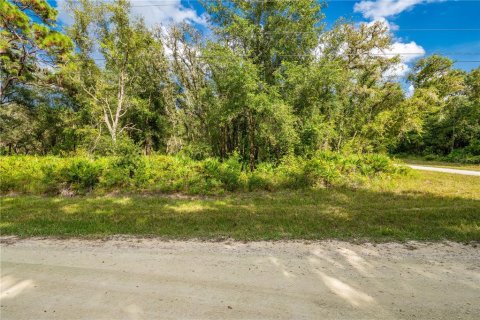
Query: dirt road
[
  {"x": 152, "y": 279},
  {"x": 445, "y": 170}
]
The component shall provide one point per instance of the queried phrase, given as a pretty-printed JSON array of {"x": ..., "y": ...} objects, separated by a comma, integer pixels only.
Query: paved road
[
  {"x": 151, "y": 279},
  {"x": 446, "y": 170}
]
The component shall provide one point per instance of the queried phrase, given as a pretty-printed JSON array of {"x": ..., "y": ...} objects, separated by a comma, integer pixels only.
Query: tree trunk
[{"x": 251, "y": 140}]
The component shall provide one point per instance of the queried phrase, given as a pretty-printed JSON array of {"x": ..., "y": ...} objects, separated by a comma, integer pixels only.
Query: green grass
[{"x": 420, "y": 206}]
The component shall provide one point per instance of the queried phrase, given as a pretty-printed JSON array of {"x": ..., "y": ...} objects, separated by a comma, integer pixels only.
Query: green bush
[
  {"x": 232, "y": 174},
  {"x": 80, "y": 175},
  {"x": 166, "y": 174},
  {"x": 263, "y": 178},
  {"x": 474, "y": 148},
  {"x": 322, "y": 172},
  {"x": 18, "y": 173},
  {"x": 125, "y": 171},
  {"x": 467, "y": 156},
  {"x": 432, "y": 157},
  {"x": 378, "y": 163}
]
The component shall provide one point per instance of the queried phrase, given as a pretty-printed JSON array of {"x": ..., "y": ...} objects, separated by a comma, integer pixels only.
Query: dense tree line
[{"x": 269, "y": 82}]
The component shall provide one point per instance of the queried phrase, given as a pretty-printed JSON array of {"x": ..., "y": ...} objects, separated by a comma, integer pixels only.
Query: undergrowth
[{"x": 169, "y": 174}]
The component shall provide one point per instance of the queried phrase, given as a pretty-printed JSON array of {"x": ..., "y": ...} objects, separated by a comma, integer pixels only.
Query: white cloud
[
  {"x": 410, "y": 90},
  {"x": 386, "y": 8},
  {"x": 378, "y": 11},
  {"x": 153, "y": 12},
  {"x": 168, "y": 13},
  {"x": 397, "y": 71},
  {"x": 407, "y": 52}
]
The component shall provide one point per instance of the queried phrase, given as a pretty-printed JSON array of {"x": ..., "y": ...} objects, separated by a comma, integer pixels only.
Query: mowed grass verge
[{"x": 420, "y": 206}]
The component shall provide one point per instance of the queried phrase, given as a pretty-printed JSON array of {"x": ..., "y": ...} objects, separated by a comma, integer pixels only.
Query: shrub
[
  {"x": 321, "y": 171},
  {"x": 25, "y": 174},
  {"x": 160, "y": 173},
  {"x": 474, "y": 147},
  {"x": 431, "y": 157},
  {"x": 263, "y": 178},
  {"x": 80, "y": 175},
  {"x": 229, "y": 172},
  {"x": 168, "y": 174},
  {"x": 378, "y": 163},
  {"x": 290, "y": 173},
  {"x": 125, "y": 171},
  {"x": 463, "y": 156}
]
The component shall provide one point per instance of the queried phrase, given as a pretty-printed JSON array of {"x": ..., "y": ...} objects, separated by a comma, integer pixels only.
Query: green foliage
[
  {"x": 27, "y": 37},
  {"x": 33, "y": 126},
  {"x": 132, "y": 87},
  {"x": 24, "y": 178},
  {"x": 80, "y": 174},
  {"x": 271, "y": 86},
  {"x": 166, "y": 174},
  {"x": 263, "y": 30},
  {"x": 448, "y": 107},
  {"x": 251, "y": 119},
  {"x": 467, "y": 156}
]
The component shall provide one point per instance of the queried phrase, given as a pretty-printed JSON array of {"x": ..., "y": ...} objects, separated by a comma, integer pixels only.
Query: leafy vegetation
[
  {"x": 27, "y": 39},
  {"x": 421, "y": 206},
  {"x": 272, "y": 83},
  {"x": 167, "y": 174},
  {"x": 273, "y": 102}
]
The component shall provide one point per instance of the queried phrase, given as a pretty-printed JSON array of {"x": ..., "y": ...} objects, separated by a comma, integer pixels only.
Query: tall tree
[
  {"x": 249, "y": 115},
  {"x": 29, "y": 44},
  {"x": 194, "y": 96},
  {"x": 268, "y": 32},
  {"x": 120, "y": 69},
  {"x": 343, "y": 100},
  {"x": 435, "y": 80}
]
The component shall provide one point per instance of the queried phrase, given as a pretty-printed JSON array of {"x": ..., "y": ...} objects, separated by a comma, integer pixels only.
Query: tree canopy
[
  {"x": 29, "y": 44},
  {"x": 269, "y": 82}
]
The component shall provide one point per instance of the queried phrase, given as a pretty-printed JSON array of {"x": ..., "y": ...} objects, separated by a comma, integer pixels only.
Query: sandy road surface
[
  {"x": 445, "y": 170},
  {"x": 152, "y": 279}
]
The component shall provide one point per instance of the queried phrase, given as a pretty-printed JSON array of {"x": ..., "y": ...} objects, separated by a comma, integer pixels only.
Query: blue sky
[
  {"x": 425, "y": 15},
  {"x": 407, "y": 19}
]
